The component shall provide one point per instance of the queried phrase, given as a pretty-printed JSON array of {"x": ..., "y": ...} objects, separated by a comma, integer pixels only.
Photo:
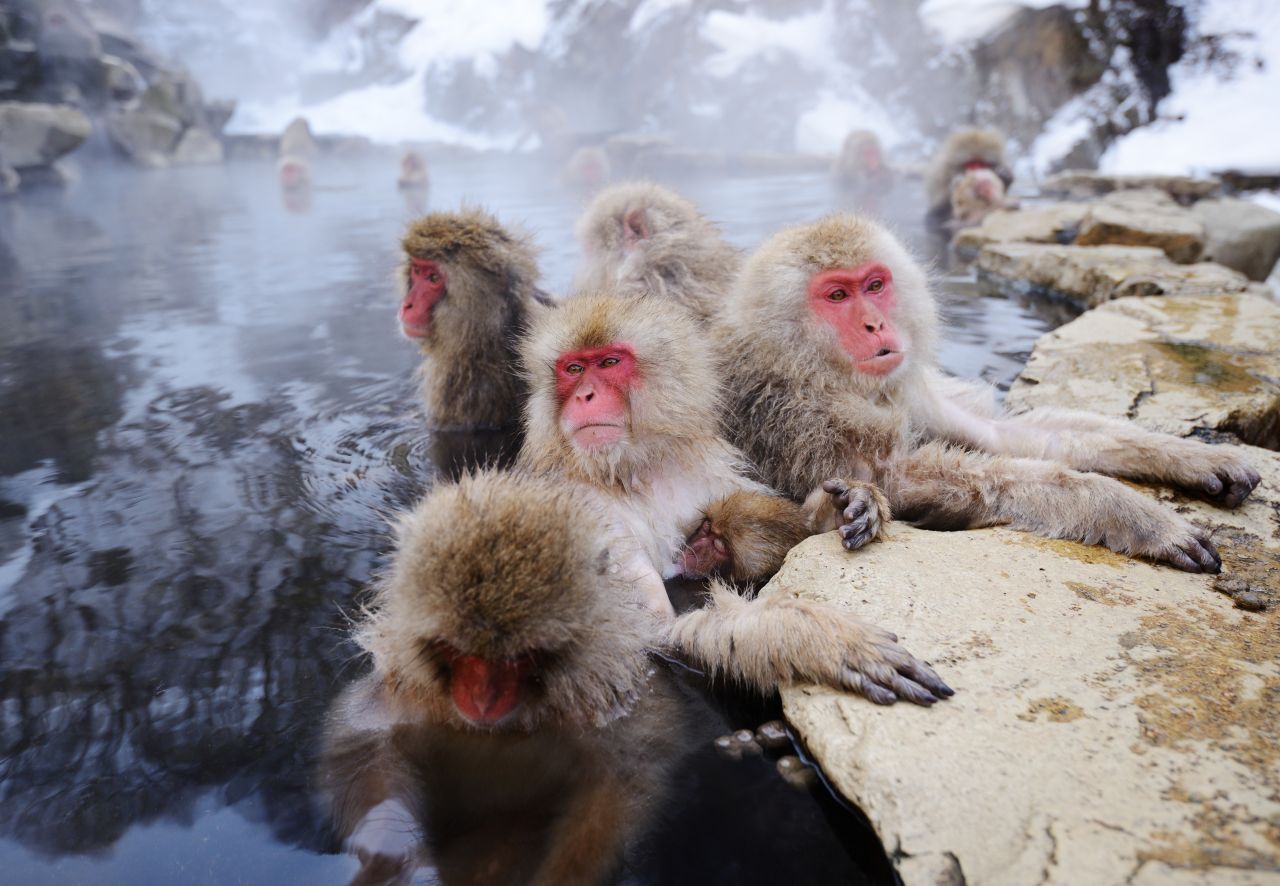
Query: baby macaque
[
  {"x": 624, "y": 399},
  {"x": 644, "y": 239},
  {"x": 468, "y": 286},
  {"x": 967, "y": 151},
  {"x": 831, "y": 328},
  {"x": 860, "y": 167}
]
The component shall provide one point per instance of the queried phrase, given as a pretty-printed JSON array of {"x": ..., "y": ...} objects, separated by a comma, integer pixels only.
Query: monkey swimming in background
[
  {"x": 955, "y": 188},
  {"x": 831, "y": 328},
  {"x": 468, "y": 285},
  {"x": 643, "y": 239},
  {"x": 624, "y": 400},
  {"x": 413, "y": 171},
  {"x": 860, "y": 167},
  {"x": 297, "y": 150}
]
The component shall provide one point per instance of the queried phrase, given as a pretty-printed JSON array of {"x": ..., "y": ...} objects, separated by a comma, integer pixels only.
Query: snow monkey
[
  {"x": 831, "y": 327},
  {"x": 297, "y": 149},
  {"x": 860, "y": 165},
  {"x": 413, "y": 171},
  {"x": 643, "y": 238},
  {"x": 514, "y": 727},
  {"x": 467, "y": 288},
  {"x": 624, "y": 399},
  {"x": 967, "y": 151}
]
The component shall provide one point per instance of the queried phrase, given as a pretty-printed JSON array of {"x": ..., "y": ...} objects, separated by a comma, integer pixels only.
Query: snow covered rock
[
  {"x": 1240, "y": 234},
  {"x": 1180, "y": 365},
  {"x": 1143, "y": 217},
  {"x": 1078, "y": 185},
  {"x": 33, "y": 135},
  {"x": 1087, "y": 276}
]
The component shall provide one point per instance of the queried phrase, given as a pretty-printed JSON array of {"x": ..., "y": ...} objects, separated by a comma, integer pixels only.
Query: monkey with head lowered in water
[
  {"x": 831, "y": 328},
  {"x": 967, "y": 178}
]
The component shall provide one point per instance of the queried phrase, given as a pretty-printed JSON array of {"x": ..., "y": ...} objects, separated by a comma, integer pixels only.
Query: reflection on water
[{"x": 206, "y": 416}]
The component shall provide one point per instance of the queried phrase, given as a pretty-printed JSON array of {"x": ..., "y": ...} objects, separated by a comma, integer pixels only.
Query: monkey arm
[
  {"x": 763, "y": 642},
  {"x": 942, "y": 487},
  {"x": 1089, "y": 442}
]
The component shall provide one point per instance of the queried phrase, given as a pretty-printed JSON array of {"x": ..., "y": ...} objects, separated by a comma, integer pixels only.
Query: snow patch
[
  {"x": 822, "y": 129},
  {"x": 650, "y": 11},
  {"x": 959, "y": 22},
  {"x": 741, "y": 37}
]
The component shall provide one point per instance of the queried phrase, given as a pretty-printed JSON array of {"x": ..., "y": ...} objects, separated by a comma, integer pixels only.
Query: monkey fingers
[
  {"x": 1231, "y": 483},
  {"x": 1195, "y": 553},
  {"x": 861, "y": 508},
  {"x": 889, "y": 672}
]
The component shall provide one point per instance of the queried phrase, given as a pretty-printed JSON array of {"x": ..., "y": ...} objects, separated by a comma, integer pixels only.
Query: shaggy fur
[
  {"x": 469, "y": 377},
  {"x": 975, "y": 194},
  {"x": 963, "y": 146},
  {"x": 672, "y": 250},
  {"x": 474, "y": 569},
  {"x": 802, "y": 413}
]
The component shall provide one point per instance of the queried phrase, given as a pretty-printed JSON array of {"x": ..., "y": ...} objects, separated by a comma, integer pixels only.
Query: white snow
[
  {"x": 1209, "y": 122},
  {"x": 957, "y": 22},
  {"x": 822, "y": 129},
  {"x": 650, "y": 11},
  {"x": 742, "y": 36}
]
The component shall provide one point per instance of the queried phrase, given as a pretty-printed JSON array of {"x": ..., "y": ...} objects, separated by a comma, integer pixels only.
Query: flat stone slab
[
  {"x": 1087, "y": 276},
  {"x": 1114, "y": 721},
  {"x": 1176, "y": 365},
  {"x": 1240, "y": 234},
  {"x": 1143, "y": 218},
  {"x": 1185, "y": 189},
  {"x": 1050, "y": 223}
]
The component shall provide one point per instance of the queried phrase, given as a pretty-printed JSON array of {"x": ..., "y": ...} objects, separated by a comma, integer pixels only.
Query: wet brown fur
[
  {"x": 683, "y": 258},
  {"x": 802, "y": 413},
  {"x": 469, "y": 373}
]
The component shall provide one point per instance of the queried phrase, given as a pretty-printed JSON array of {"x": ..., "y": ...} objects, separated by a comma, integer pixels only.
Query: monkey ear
[{"x": 635, "y": 227}]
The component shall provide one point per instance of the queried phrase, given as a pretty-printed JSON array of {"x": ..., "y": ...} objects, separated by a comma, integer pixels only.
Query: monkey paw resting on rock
[{"x": 831, "y": 327}]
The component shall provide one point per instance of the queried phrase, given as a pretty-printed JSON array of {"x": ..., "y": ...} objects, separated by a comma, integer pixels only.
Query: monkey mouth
[
  {"x": 594, "y": 436},
  {"x": 413, "y": 330},
  {"x": 882, "y": 362}
]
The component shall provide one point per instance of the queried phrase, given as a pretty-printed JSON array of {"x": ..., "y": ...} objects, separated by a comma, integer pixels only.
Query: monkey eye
[
  {"x": 609, "y": 361},
  {"x": 574, "y": 368},
  {"x": 875, "y": 285},
  {"x": 434, "y": 277},
  {"x": 837, "y": 295}
]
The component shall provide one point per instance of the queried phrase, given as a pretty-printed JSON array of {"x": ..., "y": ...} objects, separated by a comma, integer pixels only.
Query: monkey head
[
  {"x": 295, "y": 173},
  {"x": 459, "y": 275},
  {"x": 842, "y": 293},
  {"x": 975, "y": 194},
  {"x": 617, "y": 385},
  {"x": 503, "y": 609}
]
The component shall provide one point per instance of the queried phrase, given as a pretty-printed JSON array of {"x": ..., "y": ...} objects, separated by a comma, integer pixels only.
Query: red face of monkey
[
  {"x": 592, "y": 387},
  {"x": 426, "y": 286},
  {"x": 486, "y": 692},
  {"x": 859, "y": 303}
]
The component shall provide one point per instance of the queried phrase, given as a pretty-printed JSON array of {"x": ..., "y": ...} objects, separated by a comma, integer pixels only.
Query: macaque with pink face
[
  {"x": 828, "y": 337},
  {"x": 624, "y": 401}
]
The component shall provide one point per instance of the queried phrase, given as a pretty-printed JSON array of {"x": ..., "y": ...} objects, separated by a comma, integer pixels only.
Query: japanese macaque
[
  {"x": 964, "y": 151},
  {"x": 514, "y": 728},
  {"x": 587, "y": 169},
  {"x": 624, "y": 399},
  {"x": 297, "y": 148},
  {"x": 467, "y": 287},
  {"x": 860, "y": 165},
  {"x": 642, "y": 238},
  {"x": 974, "y": 195},
  {"x": 413, "y": 171},
  {"x": 831, "y": 327}
]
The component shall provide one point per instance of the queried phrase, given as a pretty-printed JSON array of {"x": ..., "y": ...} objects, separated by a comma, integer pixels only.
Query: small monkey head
[
  {"x": 641, "y": 238},
  {"x": 975, "y": 194},
  {"x": 862, "y": 150},
  {"x": 295, "y": 173},
  {"x": 503, "y": 608},
  {"x": 841, "y": 293},
  {"x": 460, "y": 276},
  {"x": 617, "y": 385}
]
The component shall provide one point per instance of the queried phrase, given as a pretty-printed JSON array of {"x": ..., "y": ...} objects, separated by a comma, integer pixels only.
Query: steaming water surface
[{"x": 205, "y": 413}]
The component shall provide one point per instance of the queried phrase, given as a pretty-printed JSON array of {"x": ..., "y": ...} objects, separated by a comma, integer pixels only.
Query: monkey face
[
  {"x": 593, "y": 387},
  {"x": 427, "y": 281},
  {"x": 860, "y": 303}
]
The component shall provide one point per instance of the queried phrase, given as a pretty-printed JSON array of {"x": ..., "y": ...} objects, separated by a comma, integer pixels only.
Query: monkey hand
[
  {"x": 875, "y": 666},
  {"x": 861, "y": 511},
  {"x": 1163, "y": 536},
  {"x": 705, "y": 552},
  {"x": 1213, "y": 472}
]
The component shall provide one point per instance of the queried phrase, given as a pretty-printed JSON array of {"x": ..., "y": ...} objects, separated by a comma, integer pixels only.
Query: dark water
[{"x": 205, "y": 413}]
